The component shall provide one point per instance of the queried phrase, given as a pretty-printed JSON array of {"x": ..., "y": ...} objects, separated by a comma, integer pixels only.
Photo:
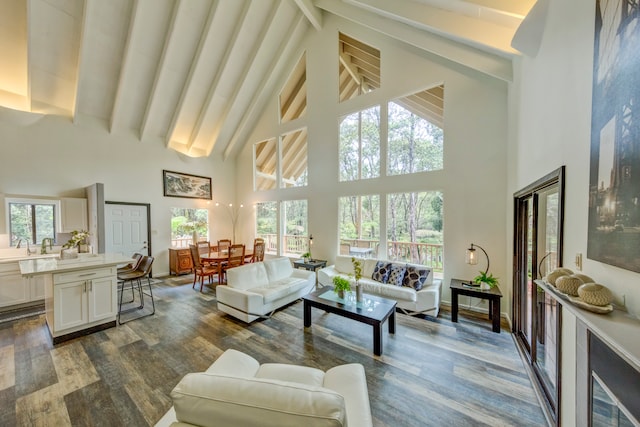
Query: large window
[
  {"x": 359, "y": 221},
  {"x": 414, "y": 144},
  {"x": 267, "y": 225},
  {"x": 359, "y": 67},
  {"x": 294, "y": 234},
  {"x": 186, "y": 221},
  {"x": 414, "y": 228},
  {"x": 266, "y": 164},
  {"x": 31, "y": 221},
  {"x": 360, "y": 145},
  {"x": 296, "y": 227}
]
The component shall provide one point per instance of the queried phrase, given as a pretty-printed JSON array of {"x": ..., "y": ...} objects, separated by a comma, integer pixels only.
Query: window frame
[{"x": 33, "y": 202}]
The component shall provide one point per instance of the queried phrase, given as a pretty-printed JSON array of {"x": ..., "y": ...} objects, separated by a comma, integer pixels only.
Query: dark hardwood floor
[{"x": 432, "y": 372}]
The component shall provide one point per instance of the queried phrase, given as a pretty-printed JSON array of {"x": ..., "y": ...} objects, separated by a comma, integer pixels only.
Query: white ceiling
[{"x": 197, "y": 73}]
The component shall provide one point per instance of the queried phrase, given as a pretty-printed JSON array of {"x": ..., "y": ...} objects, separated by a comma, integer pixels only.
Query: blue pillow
[
  {"x": 381, "y": 272},
  {"x": 396, "y": 275},
  {"x": 416, "y": 277}
]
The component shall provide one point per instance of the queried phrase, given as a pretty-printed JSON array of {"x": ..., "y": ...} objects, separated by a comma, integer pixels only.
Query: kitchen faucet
[
  {"x": 43, "y": 247},
  {"x": 29, "y": 249},
  {"x": 19, "y": 242}
]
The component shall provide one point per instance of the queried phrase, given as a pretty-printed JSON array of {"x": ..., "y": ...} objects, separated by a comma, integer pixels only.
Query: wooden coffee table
[{"x": 372, "y": 311}]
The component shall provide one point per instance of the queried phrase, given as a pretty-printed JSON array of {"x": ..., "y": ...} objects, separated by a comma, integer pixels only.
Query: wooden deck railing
[{"x": 427, "y": 254}]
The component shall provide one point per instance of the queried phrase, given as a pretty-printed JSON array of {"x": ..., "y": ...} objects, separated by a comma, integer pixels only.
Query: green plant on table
[
  {"x": 306, "y": 255},
  {"x": 483, "y": 277},
  {"x": 341, "y": 284}
]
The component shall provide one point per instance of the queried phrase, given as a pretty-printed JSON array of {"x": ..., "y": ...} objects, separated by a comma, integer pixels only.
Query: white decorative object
[
  {"x": 484, "y": 286},
  {"x": 595, "y": 294}
]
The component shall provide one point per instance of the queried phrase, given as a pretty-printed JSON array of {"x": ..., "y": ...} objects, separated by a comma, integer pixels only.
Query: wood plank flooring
[{"x": 432, "y": 372}]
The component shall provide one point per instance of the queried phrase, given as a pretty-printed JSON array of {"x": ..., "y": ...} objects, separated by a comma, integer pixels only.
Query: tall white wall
[
  {"x": 474, "y": 176},
  {"x": 53, "y": 157},
  {"x": 552, "y": 94}
]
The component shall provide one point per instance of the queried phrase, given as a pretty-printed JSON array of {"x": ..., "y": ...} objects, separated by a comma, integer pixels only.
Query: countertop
[
  {"x": 31, "y": 267},
  {"x": 618, "y": 329},
  {"x": 9, "y": 259}
]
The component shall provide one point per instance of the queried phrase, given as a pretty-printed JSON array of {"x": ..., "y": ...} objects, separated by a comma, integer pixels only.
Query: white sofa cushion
[
  {"x": 247, "y": 276},
  {"x": 279, "y": 289},
  {"x": 206, "y": 399},
  {"x": 343, "y": 265},
  {"x": 278, "y": 268}
]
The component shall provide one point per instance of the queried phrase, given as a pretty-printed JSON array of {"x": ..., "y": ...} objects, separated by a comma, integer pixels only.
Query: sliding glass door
[{"x": 538, "y": 210}]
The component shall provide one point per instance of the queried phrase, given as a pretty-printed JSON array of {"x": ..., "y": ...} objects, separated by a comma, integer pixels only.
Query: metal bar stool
[{"x": 135, "y": 278}]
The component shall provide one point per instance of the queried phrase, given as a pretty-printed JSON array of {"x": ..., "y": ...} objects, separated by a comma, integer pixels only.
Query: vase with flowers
[
  {"x": 357, "y": 274},
  {"x": 72, "y": 247}
]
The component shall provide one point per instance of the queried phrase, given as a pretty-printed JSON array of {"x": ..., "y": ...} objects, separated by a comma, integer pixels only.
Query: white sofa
[
  {"x": 257, "y": 289},
  {"x": 237, "y": 391},
  {"x": 410, "y": 301}
]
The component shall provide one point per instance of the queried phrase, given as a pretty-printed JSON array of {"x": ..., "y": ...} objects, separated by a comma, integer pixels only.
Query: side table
[
  {"x": 461, "y": 287},
  {"x": 311, "y": 265}
]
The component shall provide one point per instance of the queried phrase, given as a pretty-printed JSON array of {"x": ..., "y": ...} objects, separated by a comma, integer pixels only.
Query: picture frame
[{"x": 178, "y": 184}]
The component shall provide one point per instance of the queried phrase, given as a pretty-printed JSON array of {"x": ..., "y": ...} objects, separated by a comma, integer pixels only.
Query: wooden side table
[
  {"x": 180, "y": 261},
  {"x": 461, "y": 287}
]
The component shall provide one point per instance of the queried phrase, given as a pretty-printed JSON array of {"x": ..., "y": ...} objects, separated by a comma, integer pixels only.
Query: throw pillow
[
  {"x": 381, "y": 272},
  {"x": 416, "y": 277},
  {"x": 396, "y": 275}
]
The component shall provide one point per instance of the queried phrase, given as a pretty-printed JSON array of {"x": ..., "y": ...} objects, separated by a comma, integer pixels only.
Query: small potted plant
[
  {"x": 486, "y": 281},
  {"x": 341, "y": 285},
  {"x": 306, "y": 256}
]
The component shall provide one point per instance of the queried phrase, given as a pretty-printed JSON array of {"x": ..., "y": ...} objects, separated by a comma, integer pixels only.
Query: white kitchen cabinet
[
  {"x": 12, "y": 288},
  {"x": 73, "y": 215},
  {"x": 35, "y": 284},
  {"x": 81, "y": 299}
]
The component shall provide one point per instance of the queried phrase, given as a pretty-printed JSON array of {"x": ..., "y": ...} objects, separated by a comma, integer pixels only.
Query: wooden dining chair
[
  {"x": 200, "y": 270},
  {"x": 223, "y": 244},
  {"x": 258, "y": 252},
  {"x": 234, "y": 259}
]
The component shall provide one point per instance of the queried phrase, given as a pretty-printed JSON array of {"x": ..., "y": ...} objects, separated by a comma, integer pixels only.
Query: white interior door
[{"x": 127, "y": 228}]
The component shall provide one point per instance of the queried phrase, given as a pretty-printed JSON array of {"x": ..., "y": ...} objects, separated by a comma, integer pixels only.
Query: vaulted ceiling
[{"x": 197, "y": 73}]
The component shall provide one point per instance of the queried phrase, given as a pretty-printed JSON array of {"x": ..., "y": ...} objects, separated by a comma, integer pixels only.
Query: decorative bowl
[
  {"x": 595, "y": 294},
  {"x": 555, "y": 274},
  {"x": 569, "y": 285},
  {"x": 584, "y": 278}
]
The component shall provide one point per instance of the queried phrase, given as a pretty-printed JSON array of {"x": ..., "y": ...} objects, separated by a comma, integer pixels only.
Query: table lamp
[{"x": 472, "y": 256}]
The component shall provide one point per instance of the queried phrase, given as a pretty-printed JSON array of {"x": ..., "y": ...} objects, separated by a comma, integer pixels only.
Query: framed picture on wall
[
  {"x": 614, "y": 179},
  {"x": 177, "y": 184}
]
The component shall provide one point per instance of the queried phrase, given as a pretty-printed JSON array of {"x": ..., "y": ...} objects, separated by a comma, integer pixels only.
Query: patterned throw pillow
[
  {"x": 396, "y": 275},
  {"x": 416, "y": 277},
  {"x": 381, "y": 272}
]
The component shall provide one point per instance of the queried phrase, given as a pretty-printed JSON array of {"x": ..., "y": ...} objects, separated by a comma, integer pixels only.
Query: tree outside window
[
  {"x": 359, "y": 151},
  {"x": 31, "y": 222},
  {"x": 184, "y": 221},
  {"x": 415, "y": 228},
  {"x": 359, "y": 221},
  {"x": 414, "y": 144},
  {"x": 267, "y": 225}
]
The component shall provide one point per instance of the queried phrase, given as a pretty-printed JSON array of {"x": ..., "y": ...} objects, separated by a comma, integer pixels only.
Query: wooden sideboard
[{"x": 180, "y": 261}]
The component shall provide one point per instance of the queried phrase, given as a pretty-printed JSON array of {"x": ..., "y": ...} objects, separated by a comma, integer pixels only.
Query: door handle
[{"x": 90, "y": 285}]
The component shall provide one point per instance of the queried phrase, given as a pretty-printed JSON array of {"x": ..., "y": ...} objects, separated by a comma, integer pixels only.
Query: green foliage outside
[
  {"x": 185, "y": 221},
  {"x": 21, "y": 222}
]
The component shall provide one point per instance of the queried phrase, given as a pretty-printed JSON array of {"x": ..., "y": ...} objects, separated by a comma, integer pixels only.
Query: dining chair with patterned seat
[
  {"x": 234, "y": 259},
  {"x": 200, "y": 270}
]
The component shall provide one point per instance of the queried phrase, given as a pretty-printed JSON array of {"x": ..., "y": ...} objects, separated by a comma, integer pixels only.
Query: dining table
[{"x": 219, "y": 257}]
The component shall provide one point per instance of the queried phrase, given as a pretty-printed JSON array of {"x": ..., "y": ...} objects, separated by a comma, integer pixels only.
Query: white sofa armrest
[
  {"x": 350, "y": 381},
  {"x": 247, "y": 301},
  {"x": 304, "y": 274}
]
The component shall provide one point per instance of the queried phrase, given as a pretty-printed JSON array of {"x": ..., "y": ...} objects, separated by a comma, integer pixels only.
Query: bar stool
[{"x": 134, "y": 278}]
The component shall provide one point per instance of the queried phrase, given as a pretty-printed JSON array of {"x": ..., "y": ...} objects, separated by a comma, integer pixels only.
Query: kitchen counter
[
  {"x": 51, "y": 264},
  {"x": 8, "y": 259}
]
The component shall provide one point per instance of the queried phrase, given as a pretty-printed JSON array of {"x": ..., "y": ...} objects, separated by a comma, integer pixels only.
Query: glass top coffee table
[{"x": 372, "y": 310}]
